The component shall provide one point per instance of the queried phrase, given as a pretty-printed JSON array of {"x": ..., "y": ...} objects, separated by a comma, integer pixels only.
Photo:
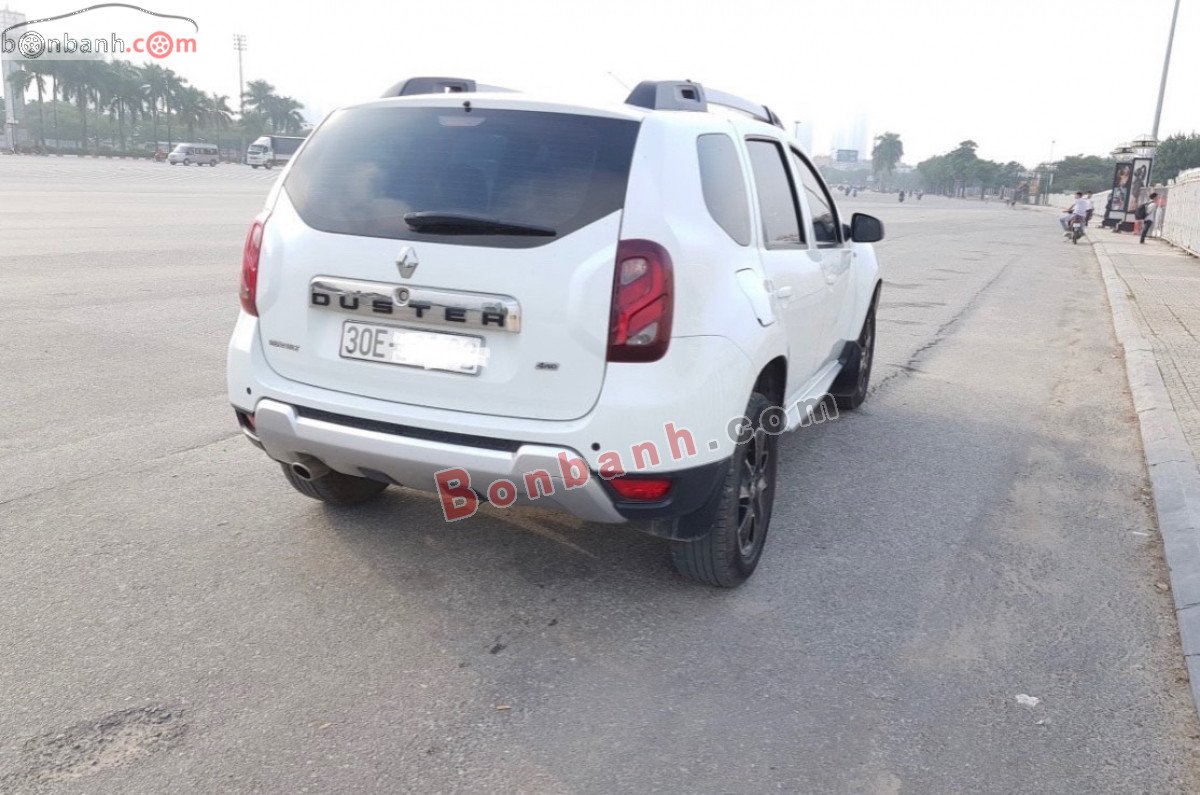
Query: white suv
[{"x": 506, "y": 299}]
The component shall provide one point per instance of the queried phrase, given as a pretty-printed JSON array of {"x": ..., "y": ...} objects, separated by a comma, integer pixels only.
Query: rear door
[
  {"x": 516, "y": 263},
  {"x": 796, "y": 281}
]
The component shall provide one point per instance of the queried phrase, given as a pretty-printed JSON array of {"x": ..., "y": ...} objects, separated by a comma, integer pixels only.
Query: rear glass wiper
[{"x": 447, "y": 223}]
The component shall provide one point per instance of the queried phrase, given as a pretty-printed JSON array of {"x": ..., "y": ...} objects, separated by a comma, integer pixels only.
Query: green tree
[
  {"x": 963, "y": 164},
  {"x": 1087, "y": 173},
  {"x": 125, "y": 97},
  {"x": 154, "y": 91},
  {"x": 192, "y": 106},
  {"x": 257, "y": 96},
  {"x": 886, "y": 154},
  {"x": 218, "y": 115},
  {"x": 79, "y": 81},
  {"x": 29, "y": 74},
  {"x": 1177, "y": 153}
]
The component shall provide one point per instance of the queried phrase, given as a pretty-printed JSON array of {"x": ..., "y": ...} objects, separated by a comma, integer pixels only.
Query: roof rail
[
  {"x": 437, "y": 85},
  {"x": 686, "y": 95}
]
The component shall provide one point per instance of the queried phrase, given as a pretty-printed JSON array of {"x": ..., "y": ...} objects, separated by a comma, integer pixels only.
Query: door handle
[{"x": 783, "y": 292}]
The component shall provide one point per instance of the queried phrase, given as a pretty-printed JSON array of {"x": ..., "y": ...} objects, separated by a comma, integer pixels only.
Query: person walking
[{"x": 1151, "y": 215}]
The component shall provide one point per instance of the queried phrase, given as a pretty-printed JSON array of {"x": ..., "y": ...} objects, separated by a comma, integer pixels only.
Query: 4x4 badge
[{"x": 407, "y": 262}]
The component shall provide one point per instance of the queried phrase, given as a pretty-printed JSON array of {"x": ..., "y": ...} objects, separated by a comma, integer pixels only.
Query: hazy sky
[{"x": 1013, "y": 75}]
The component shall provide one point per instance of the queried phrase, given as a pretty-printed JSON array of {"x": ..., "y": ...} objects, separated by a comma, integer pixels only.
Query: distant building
[
  {"x": 855, "y": 135},
  {"x": 804, "y": 136},
  {"x": 14, "y": 105},
  {"x": 848, "y": 160}
]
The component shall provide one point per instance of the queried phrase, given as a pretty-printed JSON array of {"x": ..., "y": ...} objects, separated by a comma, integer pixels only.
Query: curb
[{"x": 1174, "y": 477}]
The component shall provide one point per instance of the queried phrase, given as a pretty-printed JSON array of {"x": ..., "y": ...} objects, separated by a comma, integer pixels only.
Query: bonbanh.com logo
[{"x": 49, "y": 43}]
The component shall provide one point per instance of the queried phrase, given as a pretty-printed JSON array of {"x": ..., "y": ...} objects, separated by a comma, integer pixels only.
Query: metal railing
[{"x": 1180, "y": 218}]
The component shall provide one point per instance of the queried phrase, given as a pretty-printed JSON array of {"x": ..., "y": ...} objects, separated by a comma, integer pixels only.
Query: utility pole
[
  {"x": 239, "y": 44},
  {"x": 1162, "y": 86}
]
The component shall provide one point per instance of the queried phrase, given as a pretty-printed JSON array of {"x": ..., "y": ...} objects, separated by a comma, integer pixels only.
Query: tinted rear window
[
  {"x": 724, "y": 185},
  {"x": 366, "y": 167}
]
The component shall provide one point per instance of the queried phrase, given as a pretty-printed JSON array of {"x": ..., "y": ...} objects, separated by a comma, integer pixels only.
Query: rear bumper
[
  {"x": 286, "y": 435},
  {"x": 289, "y": 433}
]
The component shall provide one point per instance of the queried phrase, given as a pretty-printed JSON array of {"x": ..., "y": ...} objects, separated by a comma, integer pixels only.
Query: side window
[
  {"x": 776, "y": 194},
  {"x": 824, "y": 213},
  {"x": 724, "y": 185}
]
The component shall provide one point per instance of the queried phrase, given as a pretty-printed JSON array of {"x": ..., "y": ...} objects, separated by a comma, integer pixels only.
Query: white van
[{"x": 200, "y": 154}]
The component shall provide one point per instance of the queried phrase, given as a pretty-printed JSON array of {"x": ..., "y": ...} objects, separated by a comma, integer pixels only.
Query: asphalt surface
[{"x": 176, "y": 618}]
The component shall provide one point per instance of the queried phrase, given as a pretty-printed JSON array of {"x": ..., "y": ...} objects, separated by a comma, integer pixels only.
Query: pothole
[{"x": 96, "y": 745}]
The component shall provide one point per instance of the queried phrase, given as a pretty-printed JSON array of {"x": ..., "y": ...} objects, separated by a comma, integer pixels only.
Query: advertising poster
[
  {"x": 1118, "y": 200},
  {"x": 1139, "y": 192}
]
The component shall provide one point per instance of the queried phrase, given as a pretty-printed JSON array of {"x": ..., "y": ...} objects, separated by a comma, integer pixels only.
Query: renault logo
[{"x": 407, "y": 262}]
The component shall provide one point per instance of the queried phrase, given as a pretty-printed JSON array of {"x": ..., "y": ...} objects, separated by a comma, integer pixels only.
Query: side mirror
[
  {"x": 846, "y": 235},
  {"x": 865, "y": 228}
]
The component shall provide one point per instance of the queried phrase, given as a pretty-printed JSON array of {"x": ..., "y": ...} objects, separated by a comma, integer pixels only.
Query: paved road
[{"x": 176, "y": 618}]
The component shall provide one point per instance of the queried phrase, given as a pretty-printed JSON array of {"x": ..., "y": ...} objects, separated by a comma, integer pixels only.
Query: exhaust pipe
[{"x": 308, "y": 468}]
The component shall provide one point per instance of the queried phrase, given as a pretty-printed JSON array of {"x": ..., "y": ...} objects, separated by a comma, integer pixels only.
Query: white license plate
[{"x": 371, "y": 342}]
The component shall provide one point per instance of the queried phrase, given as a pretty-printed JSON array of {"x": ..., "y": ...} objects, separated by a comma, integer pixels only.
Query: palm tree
[
  {"x": 78, "y": 81},
  {"x": 192, "y": 106},
  {"x": 154, "y": 90},
  {"x": 886, "y": 154},
  {"x": 284, "y": 114},
  {"x": 125, "y": 95},
  {"x": 218, "y": 113},
  {"x": 258, "y": 96},
  {"x": 54, "y": 70},
  {"x": 171, "y": 97},
  {"x": 19, "y": 80}
]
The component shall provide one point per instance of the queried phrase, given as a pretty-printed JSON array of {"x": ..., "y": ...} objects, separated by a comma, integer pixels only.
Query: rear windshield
[{"x": 366, "y": 167}]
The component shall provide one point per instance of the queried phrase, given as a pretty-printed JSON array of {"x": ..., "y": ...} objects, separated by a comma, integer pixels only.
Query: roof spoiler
[
  {"x": 437, "y": 85},
  {"x": 686, "y": 95}
]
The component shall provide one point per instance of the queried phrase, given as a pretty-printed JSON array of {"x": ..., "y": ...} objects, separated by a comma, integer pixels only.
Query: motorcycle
[{"x": 1076, "y": 228}]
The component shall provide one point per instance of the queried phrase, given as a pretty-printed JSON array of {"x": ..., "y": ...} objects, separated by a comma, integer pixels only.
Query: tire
[
  {"x": 254, "y": 167},
  {"x": 335, "y": 488},
  {"x": 187, "y": 162},
  {"x": 267, "y": 166},
  {"x": 861, "y": 366},
  {"x": 729, "y": 553}
]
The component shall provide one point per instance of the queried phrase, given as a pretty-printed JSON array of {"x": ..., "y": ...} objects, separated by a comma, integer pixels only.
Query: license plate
[{"x": 371, "y": 342}]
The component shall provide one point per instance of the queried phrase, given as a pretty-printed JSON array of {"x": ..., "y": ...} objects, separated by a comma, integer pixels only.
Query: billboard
[
  {"x": 1118, "y": 199},
  {"x": 1139, "y": 191},
  {"x": 846, "y": 156}
]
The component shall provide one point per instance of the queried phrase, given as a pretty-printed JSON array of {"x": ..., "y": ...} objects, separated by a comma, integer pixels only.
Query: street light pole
[
  {"x": 1162, "y": 86},
  {"x": 239, "y": 44}
]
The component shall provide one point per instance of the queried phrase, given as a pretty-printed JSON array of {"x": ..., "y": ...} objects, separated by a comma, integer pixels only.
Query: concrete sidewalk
[{"x": 1154, "y": 291}]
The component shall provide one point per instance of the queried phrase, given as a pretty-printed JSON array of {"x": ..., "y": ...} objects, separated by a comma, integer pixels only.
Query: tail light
[
  {"x": 642, "y": 304},
  {"x": 249, "y": 289},
  {"x": 641, "y": 489}
]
